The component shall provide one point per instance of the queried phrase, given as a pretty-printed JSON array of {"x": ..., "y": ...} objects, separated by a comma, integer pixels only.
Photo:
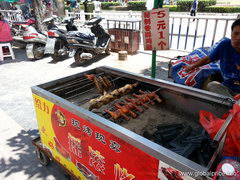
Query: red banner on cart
[
  {"x": 156, "y": 29},
  {"x": 88, "y": 151}
]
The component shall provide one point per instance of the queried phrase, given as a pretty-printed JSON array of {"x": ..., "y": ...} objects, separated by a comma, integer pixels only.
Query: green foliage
[
  {"x": 220, "y": 9},
  {"x": 106, "y": 5},
  {"x": 119, "y": 8},
  {"x": 182, "y": 6},
  {"x": 136, "y": 5},
  {"x": 185, "y": 5},
  {"x": 172, "y": 8}
]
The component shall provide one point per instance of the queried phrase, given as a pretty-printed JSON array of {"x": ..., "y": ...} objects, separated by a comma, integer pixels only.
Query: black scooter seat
[
  {"x": 86, "y": 35},
  {"x": 59, "y": 30}
]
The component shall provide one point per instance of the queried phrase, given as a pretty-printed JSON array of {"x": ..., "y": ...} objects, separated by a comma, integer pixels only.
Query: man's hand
[
  {"x": 197, "y": 64},
  {"x": 188, "y": 68}
]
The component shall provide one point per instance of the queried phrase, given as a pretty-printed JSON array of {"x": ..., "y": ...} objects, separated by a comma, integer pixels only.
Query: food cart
[{"x": 104, "y": 123}]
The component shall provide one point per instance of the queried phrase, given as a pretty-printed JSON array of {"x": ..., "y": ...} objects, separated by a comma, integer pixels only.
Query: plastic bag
[
  {"x": 212, "y": 125},
  {"x": 198, "y": 76}
]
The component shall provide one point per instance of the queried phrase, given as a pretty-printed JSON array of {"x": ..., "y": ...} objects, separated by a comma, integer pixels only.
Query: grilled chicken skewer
[
  {"x": 90, "y": 76},
  {"x": 102, "y": 83},
  {"x": 151, "y": 95},
  {"x": 105, "y": 99},
  {"x": 131, "y": 105},
  {"x": 117, "y": 114},
  {"x": 137, "y": 102},
  {"x": 143, "y": 98},
  {"x": 148, "y": 97},
  {"x": 125, "y": 109}
]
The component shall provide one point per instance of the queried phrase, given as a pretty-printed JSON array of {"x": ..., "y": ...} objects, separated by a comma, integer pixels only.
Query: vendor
[
  {"x": 228, "y": 53},
  {"x": 5, "y": 30}
]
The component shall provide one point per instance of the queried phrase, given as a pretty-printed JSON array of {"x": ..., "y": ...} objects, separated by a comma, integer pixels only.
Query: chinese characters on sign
[
  {"x": 96, "y": 160},
  {"x": 87, "y": 150},
  {"x": 156, "y": 29},
  {"x": 122, "y": 173}
]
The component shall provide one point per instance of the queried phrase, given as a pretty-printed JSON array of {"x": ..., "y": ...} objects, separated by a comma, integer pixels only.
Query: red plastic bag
[{"x": 212, "y": 125}]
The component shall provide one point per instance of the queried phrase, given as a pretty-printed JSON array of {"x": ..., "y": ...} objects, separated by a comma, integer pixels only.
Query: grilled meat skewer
[
  {"x": 125, "y": 109},
  {"x": 143, "y": 98},
  {"x": 90, "y": 76},
  {"x": 134, "y": 106},
  {"x": 137, "y": 102},
  {"x": 102, "y": 83},
  {"x": 151, "y": 95},
  {"x": 107, "y": 81},
  {"x": 117, "y": 114},
  {"x": 98, "y": 102},
  {"x": 98, "y": 84}
]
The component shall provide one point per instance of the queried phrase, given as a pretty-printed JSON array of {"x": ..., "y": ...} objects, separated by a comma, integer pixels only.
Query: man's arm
[{"x": 199, "y": 63}]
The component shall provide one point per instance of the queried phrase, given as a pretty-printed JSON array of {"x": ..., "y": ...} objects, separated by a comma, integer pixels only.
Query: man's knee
[
  {"x": 218, "y": 88},
  {"x": 212, "y": 86}
]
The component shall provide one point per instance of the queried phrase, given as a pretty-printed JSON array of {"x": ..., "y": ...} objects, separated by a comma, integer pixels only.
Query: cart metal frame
[
  {"x": 44, "y": 155},
  {"x": 151, "y": 148}
]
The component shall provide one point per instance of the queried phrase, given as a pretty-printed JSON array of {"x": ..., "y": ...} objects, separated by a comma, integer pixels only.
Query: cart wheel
[
  {"x": 68, "y": 176},
  {"x": 43, "y": 159}
]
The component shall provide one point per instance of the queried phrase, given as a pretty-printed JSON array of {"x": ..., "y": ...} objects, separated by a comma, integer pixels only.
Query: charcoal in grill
[
  {"x": 200, "y": 158},
  {"x": 166, "y": 126},
  {"x": 169, "y": 136},
  {"x": 147, "y": 135},
  {"x": 157, "y": 138},
  {"x": 169, "y": 127},
  {"x": 189, "y": 149},
  {"x": 183, "y": 134},
  {"x": 185, "y": 151}
]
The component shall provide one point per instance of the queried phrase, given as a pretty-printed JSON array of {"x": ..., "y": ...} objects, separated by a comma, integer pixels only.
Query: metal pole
[{"x": 157, "y": 4}]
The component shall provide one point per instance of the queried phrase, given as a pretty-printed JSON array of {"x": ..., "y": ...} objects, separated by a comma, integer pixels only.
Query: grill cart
[{"x": 106, "y": 123}]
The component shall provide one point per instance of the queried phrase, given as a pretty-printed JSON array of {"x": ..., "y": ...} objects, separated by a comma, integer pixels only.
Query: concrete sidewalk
[
  {"x": 17, "y": 117},
  {"x": 17, "y": 157}
]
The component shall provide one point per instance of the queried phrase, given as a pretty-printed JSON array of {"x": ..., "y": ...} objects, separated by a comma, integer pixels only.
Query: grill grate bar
[
  {"x": 78, "y": 94},
  {"x": 75, "y": 95},
  {"x": 72, "y": 84},
  {"x": 79, "y": 88}
]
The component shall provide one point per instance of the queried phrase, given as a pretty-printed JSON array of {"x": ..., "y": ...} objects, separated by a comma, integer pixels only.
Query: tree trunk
[
  {"x": 41, "y": 11},
  {"x": 58, "y": 7}
]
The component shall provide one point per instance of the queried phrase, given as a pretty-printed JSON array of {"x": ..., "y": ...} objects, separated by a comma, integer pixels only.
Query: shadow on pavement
[
  {"x": 20, "y": 55},
  {"x": 161, "y": 71},
  {"x": 60, "y": 60},
  {"x": 27, "y": 162},
  {"x": 90, "y": 62}
]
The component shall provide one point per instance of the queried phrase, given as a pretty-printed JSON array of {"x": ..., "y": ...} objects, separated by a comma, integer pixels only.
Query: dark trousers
[{"x": 193, "y": 13}]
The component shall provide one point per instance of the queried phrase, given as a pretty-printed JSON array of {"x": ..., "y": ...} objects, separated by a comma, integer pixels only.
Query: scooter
[
  {"x": 85, "y": 46},
  {"x": 36, "y": 41},
  {"x": 17, "y": 31},
  {"x": 57, "y": 44},
  {"x": 18, "y": 27}
]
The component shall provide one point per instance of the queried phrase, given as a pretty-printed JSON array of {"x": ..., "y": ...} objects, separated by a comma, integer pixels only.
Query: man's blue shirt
[{"x": 229, "y": 64}]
